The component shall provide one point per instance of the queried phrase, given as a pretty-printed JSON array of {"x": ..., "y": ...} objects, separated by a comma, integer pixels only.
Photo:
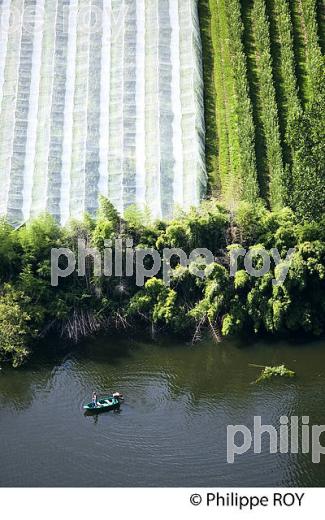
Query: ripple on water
[{"x": 172, "y": 428}]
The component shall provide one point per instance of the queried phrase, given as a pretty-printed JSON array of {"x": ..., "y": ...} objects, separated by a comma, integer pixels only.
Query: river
[{"x": 172, "y": 428}]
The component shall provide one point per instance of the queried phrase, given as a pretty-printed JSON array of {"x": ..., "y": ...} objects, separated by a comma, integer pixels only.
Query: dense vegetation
[
  {"x": 30, "y": 308},
  {"x": 265, "y": 153},
  {"x": 268, "y": 125}
]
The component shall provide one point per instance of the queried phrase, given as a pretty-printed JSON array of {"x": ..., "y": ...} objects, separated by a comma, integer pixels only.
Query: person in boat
[{"x": 94, "y": 400}]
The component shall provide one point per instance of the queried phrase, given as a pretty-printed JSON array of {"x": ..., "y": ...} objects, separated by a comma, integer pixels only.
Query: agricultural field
[
  {"x": 100, "y": 98},
  {"x": 263, "y": 66}
]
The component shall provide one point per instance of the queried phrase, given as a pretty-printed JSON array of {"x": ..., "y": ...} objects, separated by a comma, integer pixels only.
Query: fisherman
[{"x": 94, "y": 399}]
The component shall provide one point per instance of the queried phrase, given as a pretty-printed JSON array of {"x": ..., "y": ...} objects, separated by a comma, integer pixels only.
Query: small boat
[{"x": 105, "y": 404}]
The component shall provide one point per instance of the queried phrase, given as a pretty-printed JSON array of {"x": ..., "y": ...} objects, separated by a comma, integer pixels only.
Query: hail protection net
[{"x": 100, "y": 97}]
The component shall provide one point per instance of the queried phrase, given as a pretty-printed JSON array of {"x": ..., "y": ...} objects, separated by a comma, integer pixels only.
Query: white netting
[
  {"x": 106, "y": 96},
  {"x": 11, "y": 47},
  {"x": 45, "y": 96}
]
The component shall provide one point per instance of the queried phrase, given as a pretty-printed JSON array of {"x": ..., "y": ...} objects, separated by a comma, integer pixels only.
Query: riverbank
[{"x": 197, "y": 300}]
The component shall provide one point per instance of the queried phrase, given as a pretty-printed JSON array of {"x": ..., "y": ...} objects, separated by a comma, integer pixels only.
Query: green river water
[{"x": 172, "y": 428}]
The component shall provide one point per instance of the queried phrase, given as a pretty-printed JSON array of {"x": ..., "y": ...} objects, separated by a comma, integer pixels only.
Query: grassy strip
[
  {"x": 222, "y": 127},
  {"x": 234, "y": 181},
  {"x": 269, "y": 113},
  {"x": 242, "y": 106},
  {"x": 211, "y": 136}
]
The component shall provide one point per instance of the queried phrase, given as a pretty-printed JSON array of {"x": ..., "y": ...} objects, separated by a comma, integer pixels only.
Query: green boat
[{"x": 105, "y": 404}]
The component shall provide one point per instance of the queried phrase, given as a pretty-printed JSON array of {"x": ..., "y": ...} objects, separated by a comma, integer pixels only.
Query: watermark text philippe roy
[
  {"x": 123, "y": 259},
  {"x": 294, "y": 435}
]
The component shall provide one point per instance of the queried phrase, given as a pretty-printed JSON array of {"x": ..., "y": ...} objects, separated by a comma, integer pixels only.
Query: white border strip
[{"x": 158, "y": 503}]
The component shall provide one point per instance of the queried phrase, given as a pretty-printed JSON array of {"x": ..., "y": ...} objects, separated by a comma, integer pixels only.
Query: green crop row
[
  {"x": 314, "y": 58},
  {"x": 284, "y": 67},
  {"x": 269, "y": 113},
  {"x": 242, "y": 105},
  {"x": 211, "y": 136},
  {"x": 265, "y": 127},
  {"x": 237, "y": 161},
  {"x": 233, "y": 182},
  {"x": 287, "y": 60},
  {"x": 221, "y": 116},
  {"x": 307, "y": 132}
]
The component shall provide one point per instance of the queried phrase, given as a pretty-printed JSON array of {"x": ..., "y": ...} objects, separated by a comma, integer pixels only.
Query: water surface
[{"x": 171, "y": 431}]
